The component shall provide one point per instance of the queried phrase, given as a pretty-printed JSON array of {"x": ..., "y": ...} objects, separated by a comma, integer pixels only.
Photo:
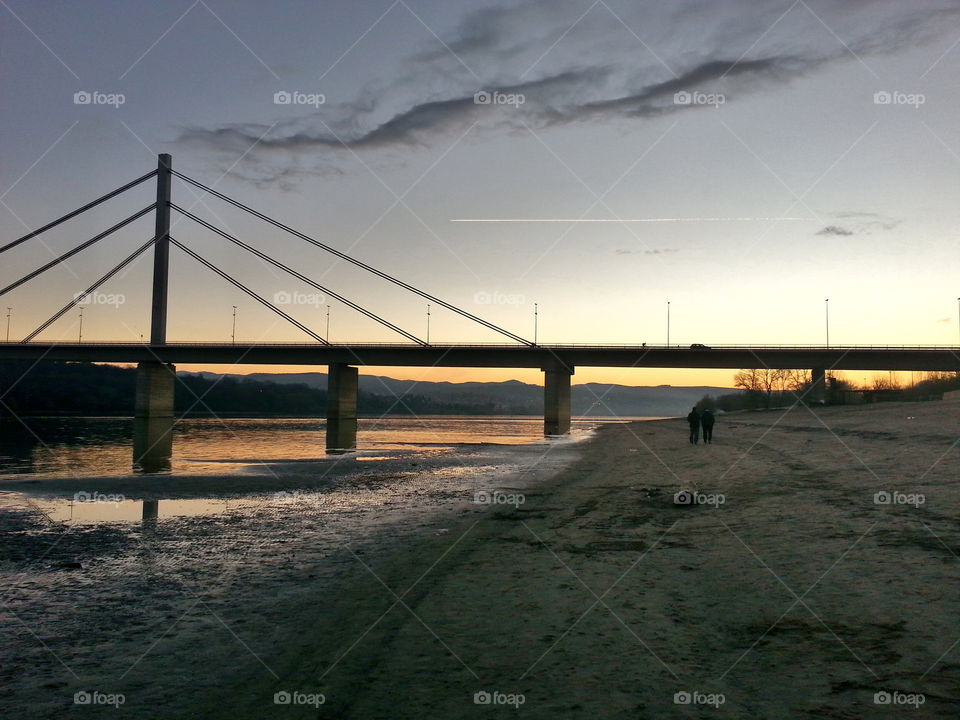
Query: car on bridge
[{"x": 700, "y": 346}]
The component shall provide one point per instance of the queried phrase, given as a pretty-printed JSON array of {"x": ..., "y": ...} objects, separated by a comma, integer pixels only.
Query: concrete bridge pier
[
  {"x": 341, "y": 406},
  {"x": 556, "y": 400},
  {"x": 818, "y": 387},
  {"x": 153, "y": 417}
]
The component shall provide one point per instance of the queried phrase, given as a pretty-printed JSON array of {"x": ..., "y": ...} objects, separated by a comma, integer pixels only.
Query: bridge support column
[
  {"x": 341, "y": 406},
  {"x": 556, "y": 400},
  {"x": 818, "y": 387},
  {"x": 153, "y": 417}
]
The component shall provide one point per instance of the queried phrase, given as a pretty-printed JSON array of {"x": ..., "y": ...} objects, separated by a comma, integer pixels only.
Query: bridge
[{"x": 156, "y": 359}]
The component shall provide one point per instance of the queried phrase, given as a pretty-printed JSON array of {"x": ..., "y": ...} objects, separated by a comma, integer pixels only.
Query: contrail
[{"x": 621, "y": 220}]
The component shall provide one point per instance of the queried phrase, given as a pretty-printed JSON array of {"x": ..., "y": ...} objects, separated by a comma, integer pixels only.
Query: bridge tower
[{"x": 153, "y": 409}]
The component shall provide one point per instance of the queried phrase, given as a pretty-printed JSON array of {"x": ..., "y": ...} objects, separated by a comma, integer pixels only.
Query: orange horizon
[{"x": 631, "y": 377}]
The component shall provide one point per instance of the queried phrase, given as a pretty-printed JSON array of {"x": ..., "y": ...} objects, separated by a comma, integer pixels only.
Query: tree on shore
[
  {"x": 707, "y": 402},
  {"x": 762, "y": 382}
]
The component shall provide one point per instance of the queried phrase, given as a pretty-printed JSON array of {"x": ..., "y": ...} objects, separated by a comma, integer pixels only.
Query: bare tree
[
  {"x": 798, "y": 380},
  {"x": 761, "y": 381}
]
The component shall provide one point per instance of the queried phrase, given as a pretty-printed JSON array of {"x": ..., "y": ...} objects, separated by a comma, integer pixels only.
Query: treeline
[
  {"x": 67, "y": 388},
  {"x": 765, "y": 388}
]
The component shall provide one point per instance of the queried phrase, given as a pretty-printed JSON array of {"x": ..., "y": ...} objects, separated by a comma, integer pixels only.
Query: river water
[{"x": 79, "y": 469}]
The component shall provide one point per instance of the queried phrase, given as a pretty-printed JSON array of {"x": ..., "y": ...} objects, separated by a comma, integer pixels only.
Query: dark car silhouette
[{"x": 699, "y": 346}]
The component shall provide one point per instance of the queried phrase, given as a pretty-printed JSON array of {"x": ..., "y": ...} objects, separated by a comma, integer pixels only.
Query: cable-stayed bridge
[{"x": 156, "y": 357}]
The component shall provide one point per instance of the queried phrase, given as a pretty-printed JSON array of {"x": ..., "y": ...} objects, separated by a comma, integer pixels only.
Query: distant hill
[{"x": 515, "y": 397}]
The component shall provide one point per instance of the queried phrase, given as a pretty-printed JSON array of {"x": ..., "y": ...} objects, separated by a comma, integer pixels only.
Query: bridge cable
[
  {"x": 248, "y": 291},
  {"x": 80, "y": 296},
  {"x": 299, "y": 276},
  {"x": 82, "y": 246},
  {"x": 358, "y": 263},
  {"x": 78, "y": 211}
]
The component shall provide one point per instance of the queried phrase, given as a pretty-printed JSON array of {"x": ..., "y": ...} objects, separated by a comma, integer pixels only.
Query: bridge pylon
[
  {"x": 161, "y": 252},
  {"x": 153, "y": 409}
]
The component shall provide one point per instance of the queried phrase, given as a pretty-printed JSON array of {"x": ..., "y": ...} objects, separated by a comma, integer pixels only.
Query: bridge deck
[{"x": 923, "y": 358}]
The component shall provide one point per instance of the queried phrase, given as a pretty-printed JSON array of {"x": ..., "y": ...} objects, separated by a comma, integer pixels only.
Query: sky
[{"x": 765, "y": 167}]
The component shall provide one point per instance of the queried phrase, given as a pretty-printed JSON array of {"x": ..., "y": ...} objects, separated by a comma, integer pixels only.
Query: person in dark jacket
[
  {"x": 706, "y": 422},
  {"x": 694, "y": 419}
]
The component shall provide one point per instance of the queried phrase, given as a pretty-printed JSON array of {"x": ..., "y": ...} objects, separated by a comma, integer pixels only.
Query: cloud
[
  {"x": 651, "y": 251},
  {"x": 861, "y": 223},
  {"x": 573, "y": 67},
  {"x": 547, "y": 101},
  {"x": 835, "y": 230},
  {"x": 945, "y": 320}
]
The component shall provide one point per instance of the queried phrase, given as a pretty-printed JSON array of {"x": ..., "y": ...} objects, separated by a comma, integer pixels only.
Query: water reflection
[
  {"x": 72, "y": 511},
  {"x": 151, "y": 509},
  {"x": 152, "y": 444},
  {"x": 100, "y": 447}
]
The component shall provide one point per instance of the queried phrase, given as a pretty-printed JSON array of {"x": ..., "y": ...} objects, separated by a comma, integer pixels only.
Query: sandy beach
[{"x": 815, "y": 574}]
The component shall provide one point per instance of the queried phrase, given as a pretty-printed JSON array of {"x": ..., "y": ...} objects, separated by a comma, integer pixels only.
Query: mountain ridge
[{"x": 587, "y": 399}]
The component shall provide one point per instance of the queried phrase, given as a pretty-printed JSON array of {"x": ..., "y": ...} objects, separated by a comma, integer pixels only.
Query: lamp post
[
  {"x": 8, "y": 322},
  {"x": 535, "y": 322},
  {"x": 668, "y": 323},
  {"x": 958, "y": 317},
  {"x": 428, "y": 323},
  {"x": 233, "y": 332},
  {"x": 328, "y": 324},
  {"x": 827, "y": 307},
  {"x": 80, "y": 335}
]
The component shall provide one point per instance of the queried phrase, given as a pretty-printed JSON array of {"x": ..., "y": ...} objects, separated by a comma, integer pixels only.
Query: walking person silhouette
[
  {"x": 693, "y": 417},
  {"x": 706, "y": 422}
]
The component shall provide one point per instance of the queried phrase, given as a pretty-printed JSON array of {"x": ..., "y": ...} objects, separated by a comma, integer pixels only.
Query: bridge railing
[{"x": 540, "y": 346}]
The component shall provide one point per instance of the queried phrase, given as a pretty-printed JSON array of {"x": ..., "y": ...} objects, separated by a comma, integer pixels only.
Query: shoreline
[
  {"x": 598, "y": 596},
  {"x": 716, "y": 594}
]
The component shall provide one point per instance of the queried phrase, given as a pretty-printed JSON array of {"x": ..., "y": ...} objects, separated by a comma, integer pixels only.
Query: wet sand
[{"x": 798, "y": 596}]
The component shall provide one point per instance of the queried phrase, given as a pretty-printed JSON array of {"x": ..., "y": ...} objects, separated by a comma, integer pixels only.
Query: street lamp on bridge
[
  {"x": 827, "y": 306},
  {"x": 668, "y": 323},
  {"x": 233, "y": 332},
  {"x": 8, "y": 322},
  {"x": 80, "y": 335}
]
